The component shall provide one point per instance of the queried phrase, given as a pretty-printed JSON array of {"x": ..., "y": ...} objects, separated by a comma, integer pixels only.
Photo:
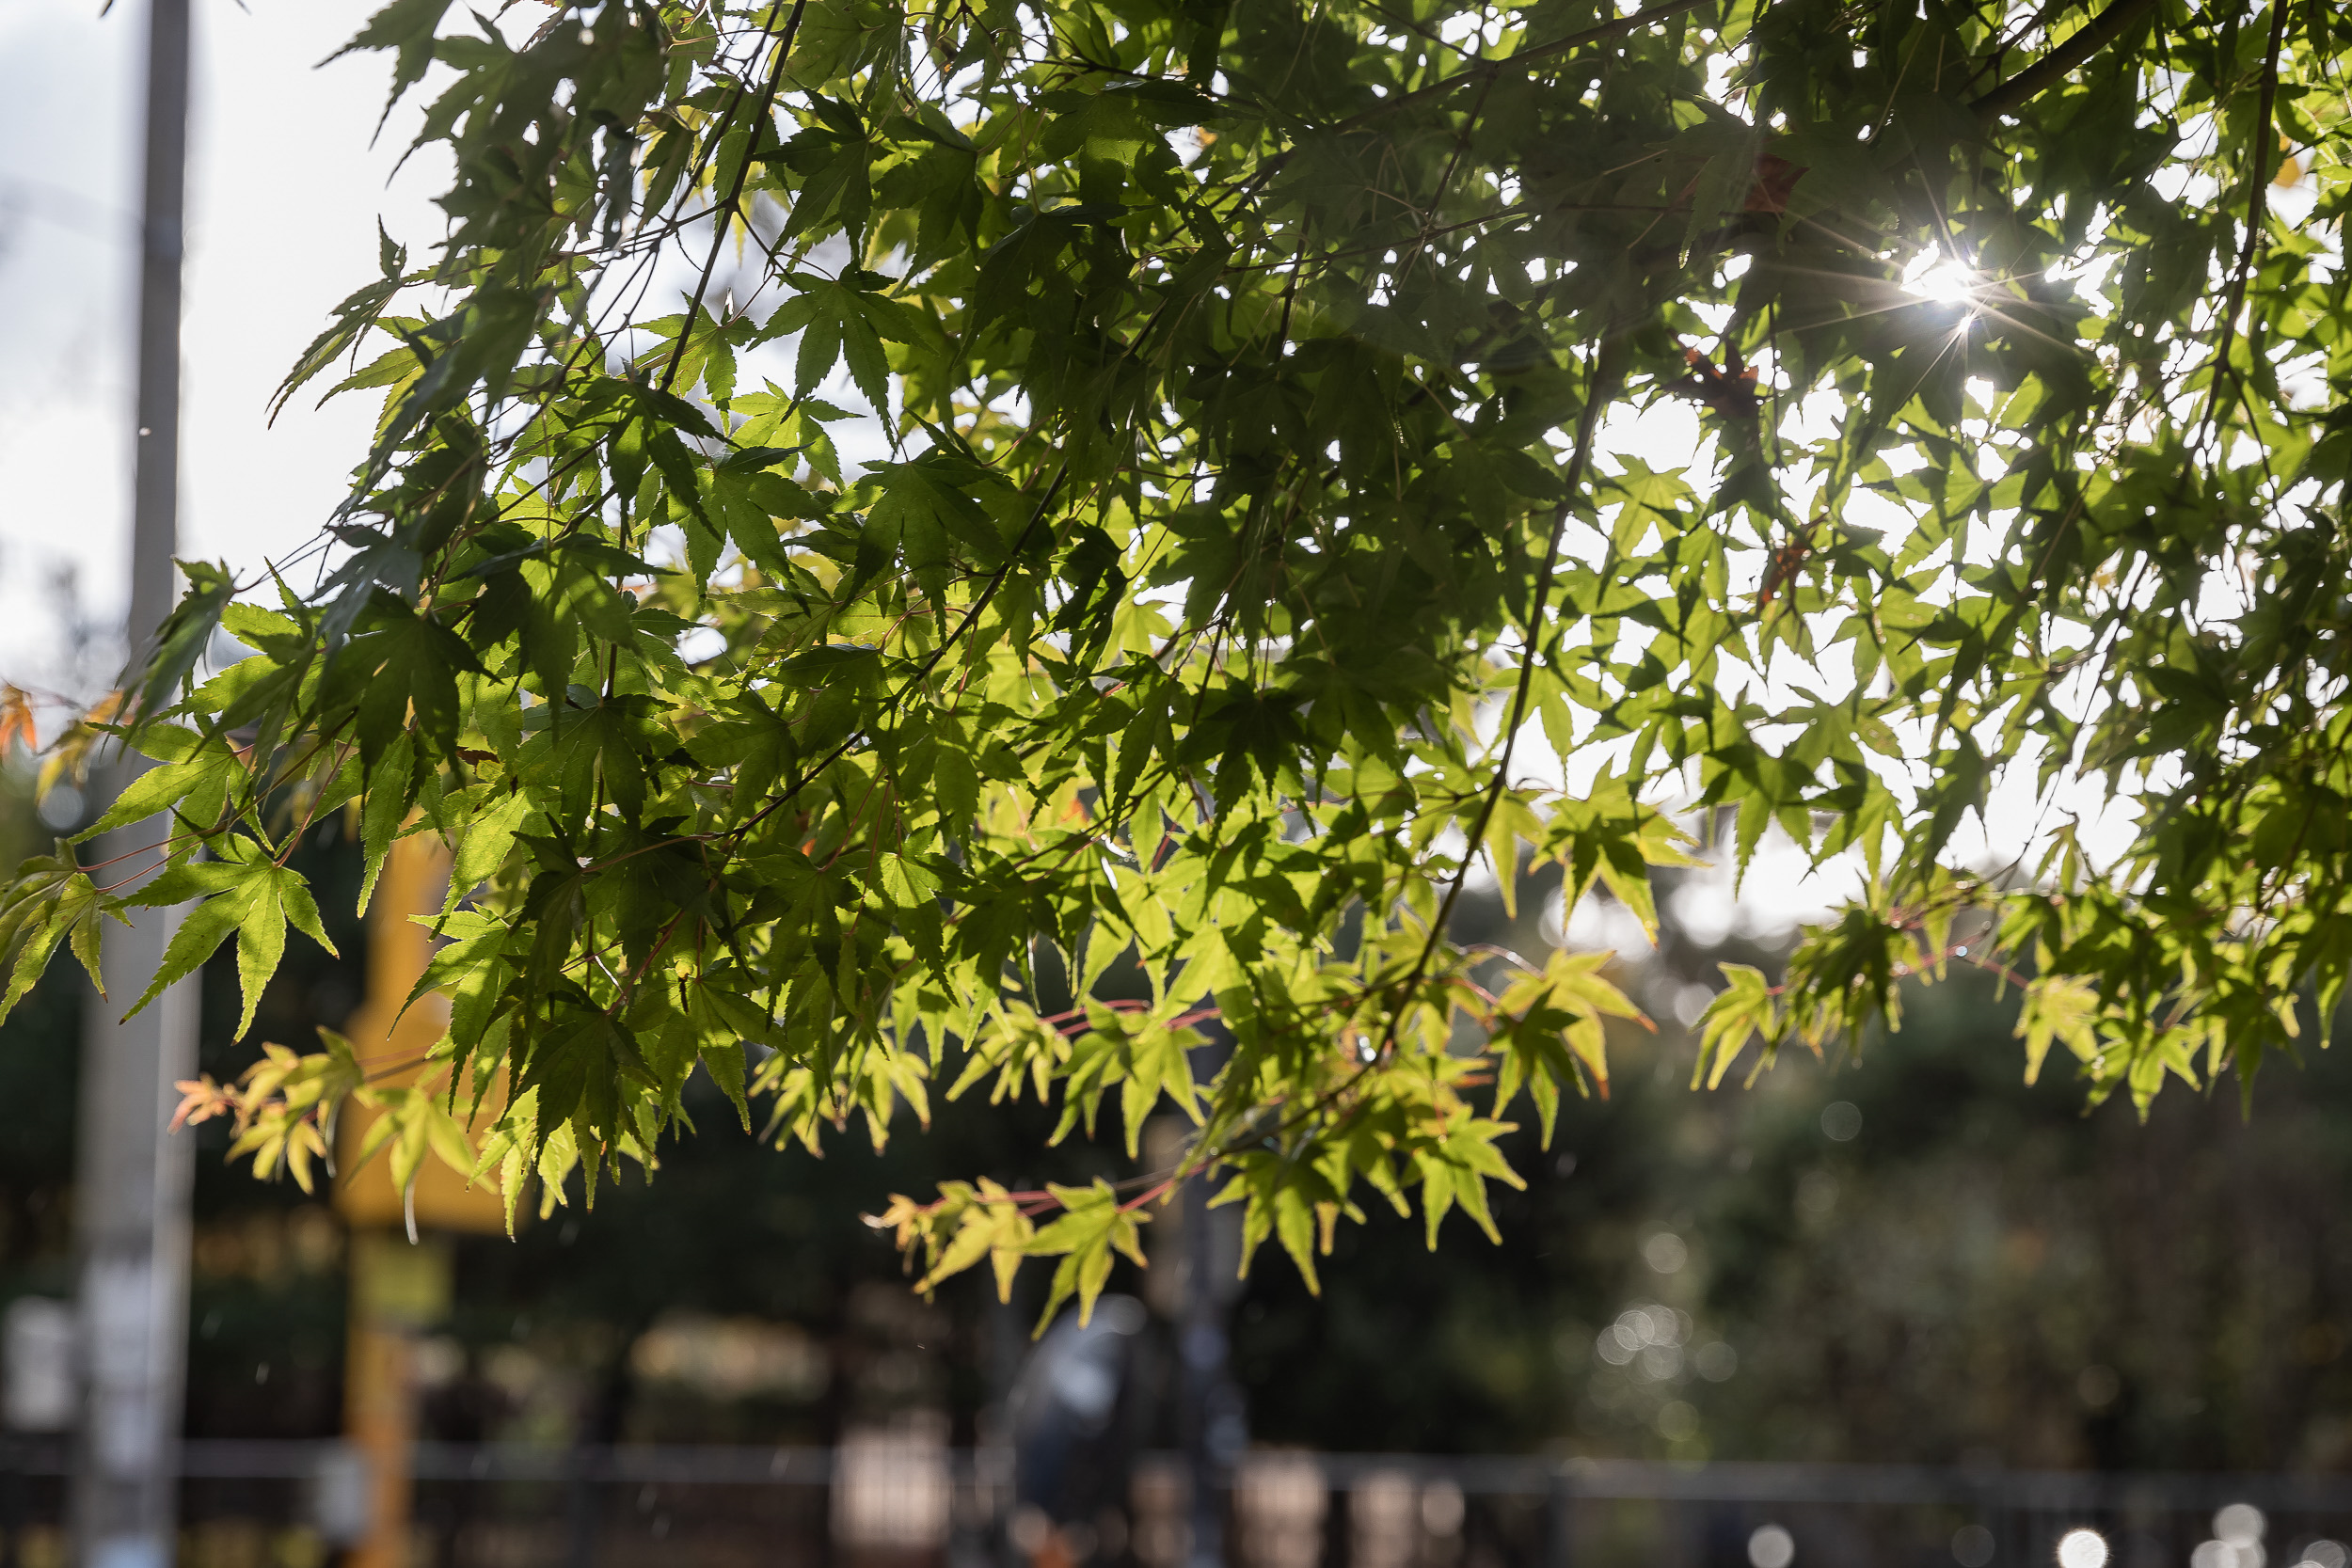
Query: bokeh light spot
[
  {"x": 1771, "y": 1547},
  {"x": 2082, "y": 1548}
]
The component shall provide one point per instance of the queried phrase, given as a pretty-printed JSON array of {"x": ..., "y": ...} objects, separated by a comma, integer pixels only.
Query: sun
[{"x": 1944, "y": 280}]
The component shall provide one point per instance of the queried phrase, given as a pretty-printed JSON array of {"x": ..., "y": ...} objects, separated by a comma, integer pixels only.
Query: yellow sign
[{"x": 392, "y": 1046}]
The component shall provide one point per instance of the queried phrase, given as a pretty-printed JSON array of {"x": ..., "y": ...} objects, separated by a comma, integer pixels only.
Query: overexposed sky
[{"x": 284, "y": 193}]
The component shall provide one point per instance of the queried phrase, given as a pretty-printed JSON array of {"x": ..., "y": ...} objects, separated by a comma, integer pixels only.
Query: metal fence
[{"x": 894, "y": 1503}]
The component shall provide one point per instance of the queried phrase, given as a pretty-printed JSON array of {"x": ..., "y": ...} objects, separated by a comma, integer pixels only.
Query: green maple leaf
[{"x": 247, "y": 894}]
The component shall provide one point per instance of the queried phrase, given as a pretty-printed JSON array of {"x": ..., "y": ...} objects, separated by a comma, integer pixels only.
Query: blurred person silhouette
[{"x": 1071, "y": 1419}]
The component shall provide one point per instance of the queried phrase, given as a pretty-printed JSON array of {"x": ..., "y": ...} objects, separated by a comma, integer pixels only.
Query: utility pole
[
  {"x": 132, "y": 1180},
  {"x": 1213, "y": 1423}
]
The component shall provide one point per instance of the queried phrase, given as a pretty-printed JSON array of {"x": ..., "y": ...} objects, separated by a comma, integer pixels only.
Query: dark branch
[{"x": 2053, "y": 68}]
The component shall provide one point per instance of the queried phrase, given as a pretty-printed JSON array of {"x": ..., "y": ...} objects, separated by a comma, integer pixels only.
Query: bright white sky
[{"x": 284, "y": 192}]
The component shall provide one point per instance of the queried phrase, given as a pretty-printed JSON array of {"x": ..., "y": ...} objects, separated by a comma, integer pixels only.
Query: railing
[{"x": 892, "y": 1503}]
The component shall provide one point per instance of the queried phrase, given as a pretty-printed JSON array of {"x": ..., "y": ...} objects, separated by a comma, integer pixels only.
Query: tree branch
[
  {"x": 2257, "y": 206},
  {"x": 1608, "y": 375},
  {"x": 2046, "y": 72},
  {"x": 725, "y": 213}
]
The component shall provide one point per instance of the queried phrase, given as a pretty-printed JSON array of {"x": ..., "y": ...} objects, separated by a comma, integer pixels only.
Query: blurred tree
[
  {"x": 266, "y": 1301},
  {"x": 39, "y": 1076},
  {"x": 1968, "y": 1274}
]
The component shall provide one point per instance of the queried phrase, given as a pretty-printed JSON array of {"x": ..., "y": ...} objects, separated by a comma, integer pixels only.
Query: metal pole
[
  {"x": 132, "y": 1180},
  {"x": 1212, "y": 1421},
  {"x": 1560, "y": 1518},
  {"x": 1202, "y": 1349}
]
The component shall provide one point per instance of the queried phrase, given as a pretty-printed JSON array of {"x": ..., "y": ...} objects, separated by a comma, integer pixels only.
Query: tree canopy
[{"x": 1257, "y": 523}]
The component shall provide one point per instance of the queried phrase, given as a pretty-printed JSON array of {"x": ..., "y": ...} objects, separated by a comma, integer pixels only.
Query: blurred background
[
  {"x": 1900, "y": 1307},
  {"x": 1892, "y": 1295}
]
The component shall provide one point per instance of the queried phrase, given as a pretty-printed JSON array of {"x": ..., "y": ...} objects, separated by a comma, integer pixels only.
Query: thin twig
[
  {"x": 727, "y": 211},
  {"x": 2257, "y": 207},
  {"x": 1608, "y": 368}
]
